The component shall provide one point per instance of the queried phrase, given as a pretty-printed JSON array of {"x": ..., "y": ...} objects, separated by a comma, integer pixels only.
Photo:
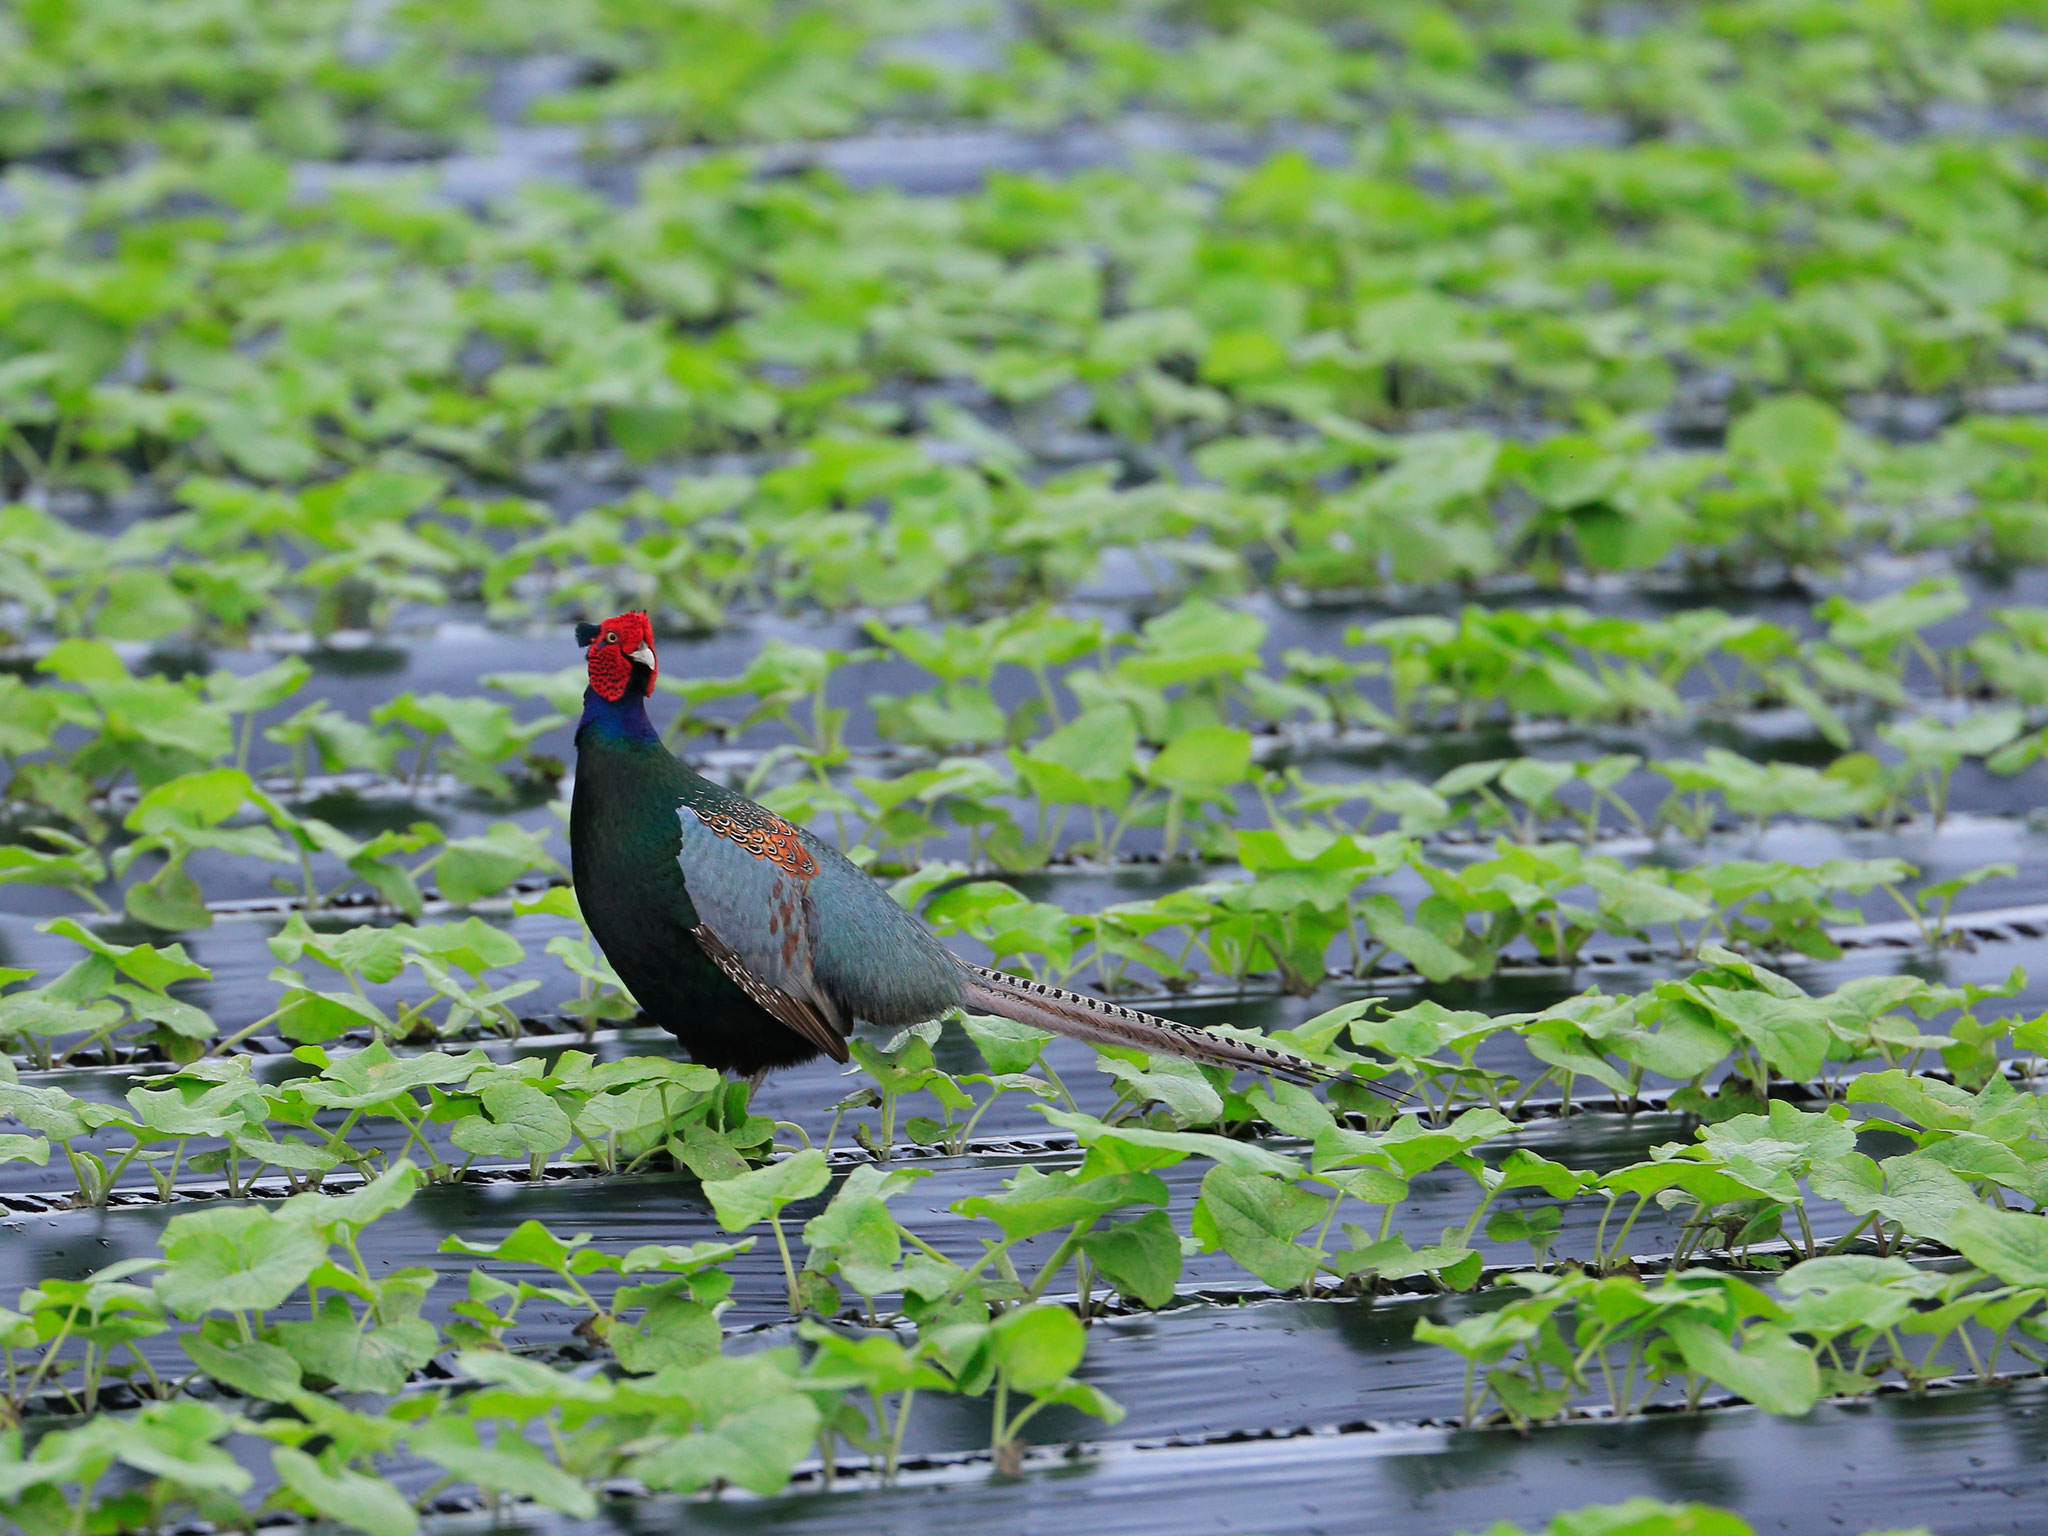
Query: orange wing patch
[{"x": 769, "y": 838}]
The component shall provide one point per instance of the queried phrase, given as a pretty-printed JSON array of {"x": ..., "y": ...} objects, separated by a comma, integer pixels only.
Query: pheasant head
[{"x": 621, "y": 655}]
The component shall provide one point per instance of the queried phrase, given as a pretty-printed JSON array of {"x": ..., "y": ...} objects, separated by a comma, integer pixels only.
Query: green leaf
[
  {"x": 1485, "y": 1338},
  {"x": 1240, "y": 1156},
  {"x": 375, "y": 954},
  {"x": 510, "y": 1466},
  {"x": 250, "y": 1366},
  {"x": 679, "y": 1258},
  {"x": 472, "y": 945},
  {"x": 374, "y": 1075},
  {"x": 1914, "y": 1190},
  {"x": 298, "y": 1156},
  {"x": 555, "y": 901},
  {"x": 1204, "y": 759},
  {"x": 1177, "y": 1084},
  {"x": 1141, "y": 1257},
  {"x": 314, "y": 1017},
  {"x": 1788, "y": 432},
  {"x": 1428, "y": 951},
  {"x": 756, "y": 1449},
  {"x": 249, "y": 692},
  {"x": 1255, "y": 1220},
  {"x": 528, "y": 1381},
  {"x": 1938, "y": 743},
  {"x": 1084, "y": 1397},
  {"x": 708, "y": 1153},
  {"x": 349, "y": 1499},
  {"x": 874, "y": 1361},
  {"x": 527, "y": 1243},
  {"x": 1034, "y": 1202},
  {"x": 145, "y": 964},
  {"x": 335, "y": 1217},
  {"x": 83, "y": 661},
  {"x": 154, "y": 714},
  {"x": 524, "y": 1122},
  {"x": 1791, "y": 1034},
  {"x": 1772, "y": 1370},
  {"x": 1649, "y": 1517},
  {"x": 1771, "y": 1151},
  {"x": 1038, "y": 1347},
  {"x": 470, "y": 869},
  {"x": 755, "y": 1196},
  {"x": 170, "y": 900},
  {"x": 235, "y": 1259},
  {"x": 1007, "y": 1047},
  {"x": 1523, "y": 1169},
  {"x": 180, "y": 1018},
  {"x": 334, "y": 1345},
  {"x": 1098, "y": 746},
  {"x": 2012, "y": 1245},
  {"x": 1636, "y": 901},
  {"x": 1535, "y": 781},
  {"x": 175, "y": 1441},
  {"x": 1392, "y": 1259},
  {"x": 191, "y": 800},
  {"x": 1926, "y": 1102},
  {"x": 856, "y": 1232},
  {"x": 674, "y": 1330},
  {"x": 50, "y": 1110},
  {"x": 167, "y": 1113}
]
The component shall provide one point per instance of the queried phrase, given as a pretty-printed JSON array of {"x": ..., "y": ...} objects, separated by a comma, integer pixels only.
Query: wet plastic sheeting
[
  {"x": 239, "y": 990},
  {"x": 455, "y": 657},
  {"x": 1960, "y": 1463},
  {"x": 1971, "y": 1463},
  {"x": 623, "y": 1213},
  {"x": 1208, "y": 1371}
]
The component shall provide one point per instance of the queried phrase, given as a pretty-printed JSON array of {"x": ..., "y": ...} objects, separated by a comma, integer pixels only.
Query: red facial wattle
[{"x": 620, "y": 642}]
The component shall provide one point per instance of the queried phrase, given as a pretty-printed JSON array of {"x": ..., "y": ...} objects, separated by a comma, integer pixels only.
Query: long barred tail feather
[{"x": 1090, "y": 1018}]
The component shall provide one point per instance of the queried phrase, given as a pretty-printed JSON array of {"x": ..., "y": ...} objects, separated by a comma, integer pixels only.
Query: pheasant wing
[{"x": 748, "y": 876}]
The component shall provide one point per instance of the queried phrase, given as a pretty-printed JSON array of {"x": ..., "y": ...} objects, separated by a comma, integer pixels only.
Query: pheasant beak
[{"x": 644, "y": 655}]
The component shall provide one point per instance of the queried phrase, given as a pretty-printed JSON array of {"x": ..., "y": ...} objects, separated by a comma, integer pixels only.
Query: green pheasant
[{"x": 759, "y": 945}]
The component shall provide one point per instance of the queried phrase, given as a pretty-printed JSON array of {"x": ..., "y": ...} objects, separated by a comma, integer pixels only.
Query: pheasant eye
[{"x": 612, "y": 637}]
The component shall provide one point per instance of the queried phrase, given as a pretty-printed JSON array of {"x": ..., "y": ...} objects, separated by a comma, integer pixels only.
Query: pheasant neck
[{"x": 621, "y": 719}]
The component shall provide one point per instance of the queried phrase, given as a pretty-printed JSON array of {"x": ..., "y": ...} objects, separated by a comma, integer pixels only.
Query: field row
[
  {"x": 1830, "y": 1324},
  {"x": 861, "y": 519},
  {"x": 1722, "y": 1040},
  {"x": 1561, "y": 1050},
  {"x": 1043, "y": 737},
  {"x": 1838, "y": 662},
  {"x": 97, "y": 88},
  {"x": 1307, "y": 906},
  {"x": 1497, "y": 546},
  {"x": 1223, "y": 356}
]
